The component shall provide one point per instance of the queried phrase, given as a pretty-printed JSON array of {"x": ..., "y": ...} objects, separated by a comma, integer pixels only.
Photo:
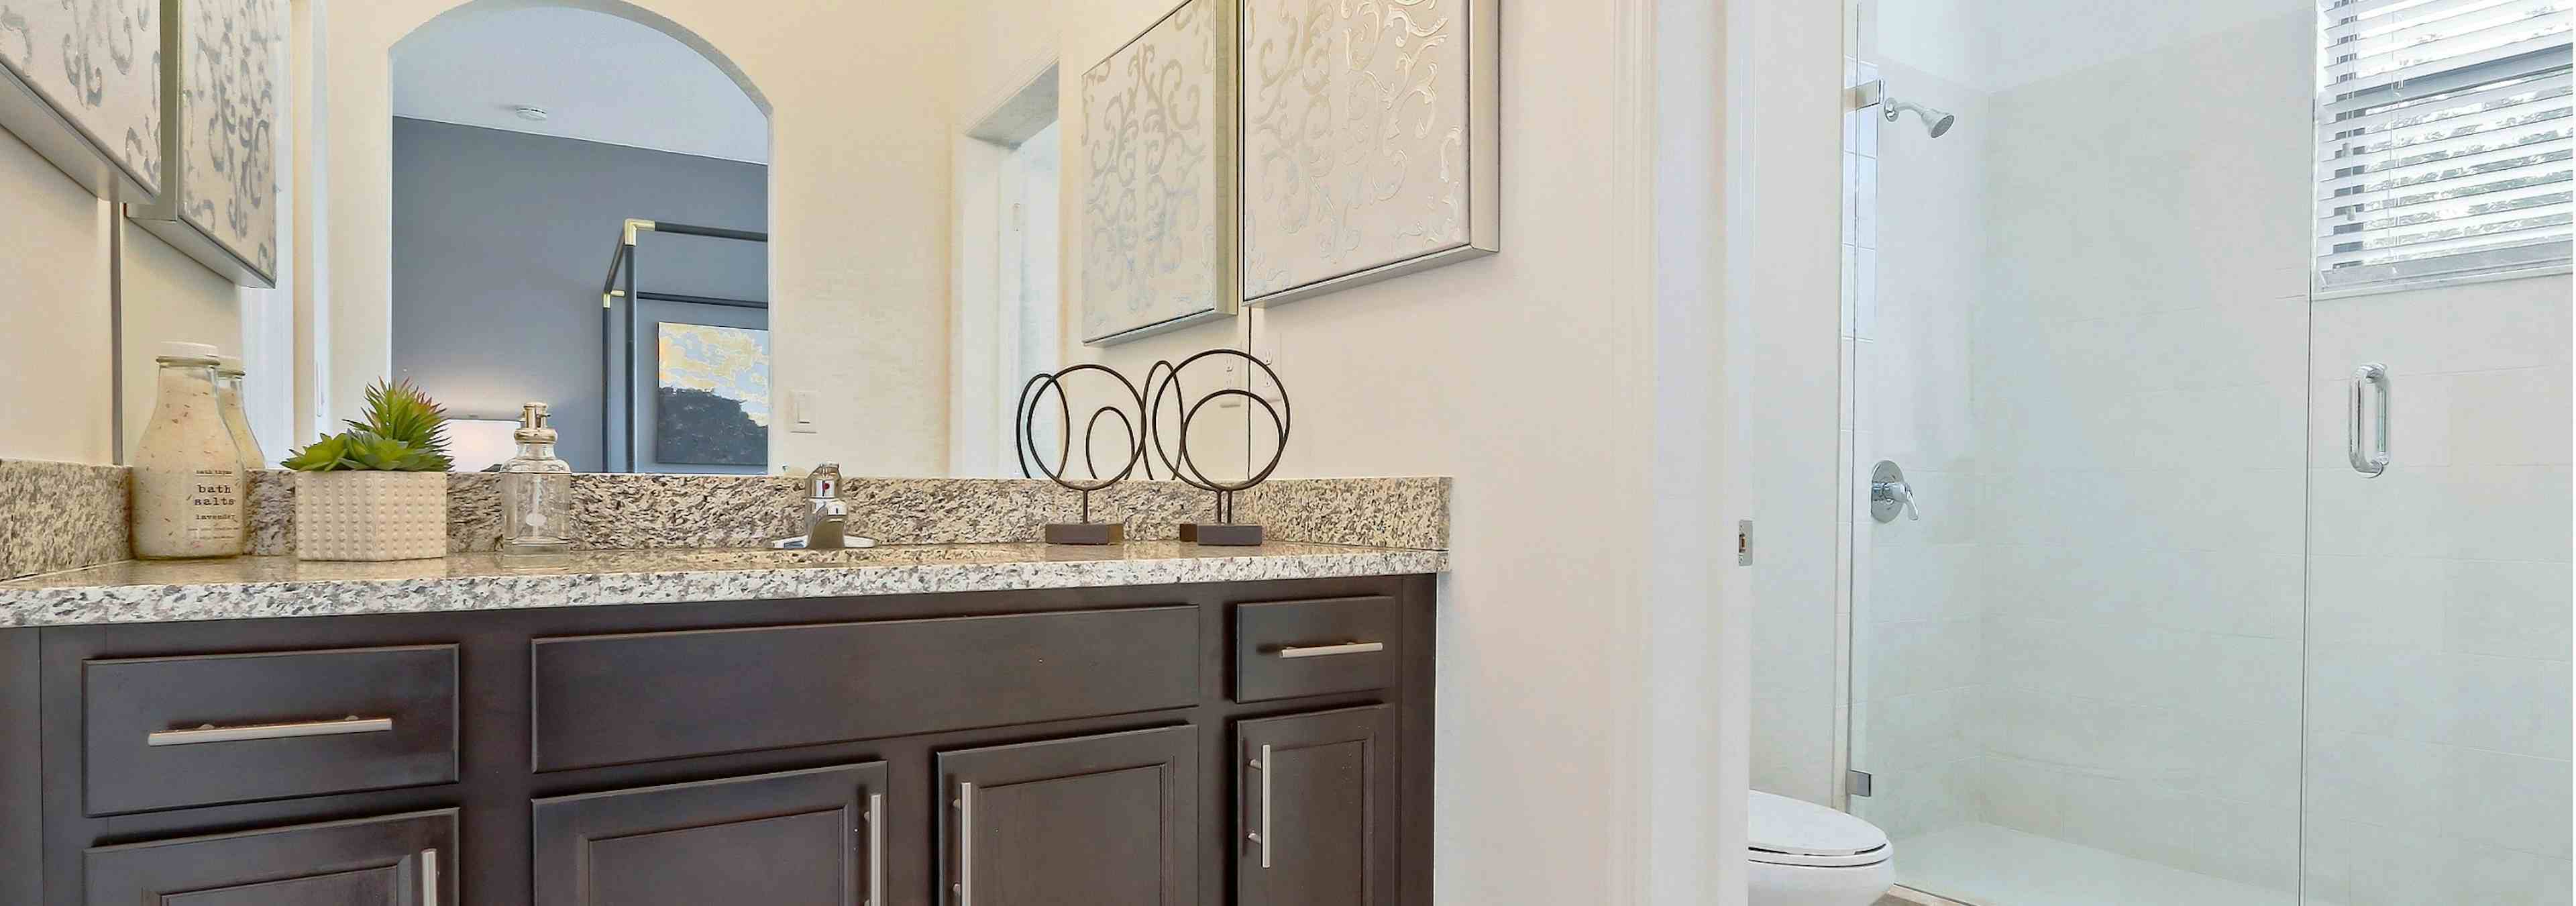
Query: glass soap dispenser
[{"x": 536, "y": 492}]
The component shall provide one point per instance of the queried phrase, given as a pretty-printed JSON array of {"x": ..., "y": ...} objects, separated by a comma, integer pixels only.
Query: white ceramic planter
[{"x": 370, "y": 515}]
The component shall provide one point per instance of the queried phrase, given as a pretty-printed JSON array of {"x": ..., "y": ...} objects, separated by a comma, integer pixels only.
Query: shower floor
[{"x": 1985, "y": 865}]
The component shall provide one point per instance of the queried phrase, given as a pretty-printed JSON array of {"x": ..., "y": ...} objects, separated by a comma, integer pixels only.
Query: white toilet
[{"x": 1805, "y": 854}]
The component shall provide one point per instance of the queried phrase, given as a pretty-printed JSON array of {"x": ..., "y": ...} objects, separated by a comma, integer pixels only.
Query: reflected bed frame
[{"x": 621, "y": 270}]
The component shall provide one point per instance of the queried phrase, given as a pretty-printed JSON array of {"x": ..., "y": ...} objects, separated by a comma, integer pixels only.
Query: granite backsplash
[
  {"x": 61, "y": 515},
  {"x": 629, "y": 512},
  {"x": 56, "y": 516}
]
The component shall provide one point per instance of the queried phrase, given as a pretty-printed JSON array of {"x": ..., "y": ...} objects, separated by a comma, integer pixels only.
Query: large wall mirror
[{"x": 581, "y": 216}]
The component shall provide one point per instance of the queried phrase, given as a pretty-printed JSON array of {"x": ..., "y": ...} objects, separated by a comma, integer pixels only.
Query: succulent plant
[{"x": 404, "y": 431}]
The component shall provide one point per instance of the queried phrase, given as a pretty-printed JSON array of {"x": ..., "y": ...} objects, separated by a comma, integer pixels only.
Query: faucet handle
[{"x": 824, "y": 481}]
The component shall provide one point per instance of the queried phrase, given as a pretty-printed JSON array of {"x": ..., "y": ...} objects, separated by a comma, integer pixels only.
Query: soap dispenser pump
[{"x": 536, "y": 492}]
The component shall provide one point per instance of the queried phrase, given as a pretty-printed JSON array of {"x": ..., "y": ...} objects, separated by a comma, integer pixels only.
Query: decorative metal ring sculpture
[
  {"x": 1165, "y": 379},
  {"x": 1024, "y": 444}
]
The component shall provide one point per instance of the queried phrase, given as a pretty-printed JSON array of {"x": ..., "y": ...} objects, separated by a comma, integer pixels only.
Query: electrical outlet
[{"x": 800, "y": 404}]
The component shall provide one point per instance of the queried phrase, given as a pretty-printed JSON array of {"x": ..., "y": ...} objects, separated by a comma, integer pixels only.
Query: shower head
[{"x": 1935, "y": 122}]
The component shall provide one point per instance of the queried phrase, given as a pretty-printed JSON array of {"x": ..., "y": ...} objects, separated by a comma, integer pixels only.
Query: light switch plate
[{"x": 800, "y": 404}]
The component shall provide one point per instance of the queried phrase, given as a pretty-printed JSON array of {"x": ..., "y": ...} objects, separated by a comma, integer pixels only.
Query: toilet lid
[{"x": 1796, "y": 832}]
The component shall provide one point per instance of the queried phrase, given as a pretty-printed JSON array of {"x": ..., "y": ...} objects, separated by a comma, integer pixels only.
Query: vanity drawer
[
  {"x": 1284, "y": 649},
  {"x": 171, "y": 732},
  {"x": 617, "y": 699}
]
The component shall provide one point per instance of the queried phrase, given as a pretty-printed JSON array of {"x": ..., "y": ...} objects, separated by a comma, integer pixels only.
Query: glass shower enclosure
[{"x": 2208, "y": 499}]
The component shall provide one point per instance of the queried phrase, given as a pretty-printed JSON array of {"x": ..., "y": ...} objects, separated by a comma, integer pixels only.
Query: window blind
[{"x": 2444, "y": 138}]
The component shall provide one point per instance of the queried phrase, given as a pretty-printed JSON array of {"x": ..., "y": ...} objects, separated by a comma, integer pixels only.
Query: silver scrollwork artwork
[
  {"x": 228, "y": 106},
  {"x": 98, "y": 64},
  {"x": 1355, "y": 139},
  {"x": 1152, "y": 253}
]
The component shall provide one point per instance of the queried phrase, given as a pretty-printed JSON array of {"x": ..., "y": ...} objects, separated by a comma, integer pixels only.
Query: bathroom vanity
[{"x": 897, "y": 728}]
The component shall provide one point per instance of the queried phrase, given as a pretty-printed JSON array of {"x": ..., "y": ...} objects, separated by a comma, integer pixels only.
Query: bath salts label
[{"x": 214, "y": 505}]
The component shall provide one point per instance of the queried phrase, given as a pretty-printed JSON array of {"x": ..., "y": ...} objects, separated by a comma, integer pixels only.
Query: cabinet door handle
[
  {"x": 1260, "y": 832},
  {"x": 211, "y": 733},
  {"x": 1298, "y": 651},
  {"x": 2376, "y": 463},
  {"x": 965, "y": 885},
  {"x": 429, "y": 877},
  {"x": 876, "y": 849}
]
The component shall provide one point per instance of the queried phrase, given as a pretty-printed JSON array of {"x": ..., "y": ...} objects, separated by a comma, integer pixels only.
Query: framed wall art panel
[
  {"x": 223, "y": 61},
  {"x": 80, "y": 82},
  {"x": 1158, "y": 177},
  {"x": 1370, "y": 146}
]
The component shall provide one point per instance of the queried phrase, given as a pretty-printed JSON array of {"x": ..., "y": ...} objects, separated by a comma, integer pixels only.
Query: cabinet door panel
[
  {"x": 392, "y": 861},
  {"x": 1319, "y": 809},
  {"x": 799, "y": 838},
  {"x": 1074, "y": 822}
]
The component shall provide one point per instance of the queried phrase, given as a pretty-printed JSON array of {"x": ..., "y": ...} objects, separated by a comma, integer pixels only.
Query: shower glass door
[{"x": 2132, "y": 627}]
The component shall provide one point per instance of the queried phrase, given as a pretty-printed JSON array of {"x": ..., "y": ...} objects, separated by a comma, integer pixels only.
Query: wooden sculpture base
[
  {"x": 1086, "y": 533},
  {"x": 1219, "y": 535}
]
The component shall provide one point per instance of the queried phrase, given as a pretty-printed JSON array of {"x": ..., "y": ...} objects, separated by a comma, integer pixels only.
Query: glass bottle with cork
[{"x": 190, "y": 488}]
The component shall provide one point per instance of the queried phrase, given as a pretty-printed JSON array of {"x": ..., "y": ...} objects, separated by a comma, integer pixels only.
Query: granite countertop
[{"x": 140, "y": 591}]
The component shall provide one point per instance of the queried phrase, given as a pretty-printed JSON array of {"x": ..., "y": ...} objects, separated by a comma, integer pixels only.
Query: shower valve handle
[{"x": 1890, "y": 493}]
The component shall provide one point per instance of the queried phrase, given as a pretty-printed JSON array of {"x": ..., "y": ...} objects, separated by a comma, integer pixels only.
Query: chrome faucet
[{"x": 827, "y": 519}]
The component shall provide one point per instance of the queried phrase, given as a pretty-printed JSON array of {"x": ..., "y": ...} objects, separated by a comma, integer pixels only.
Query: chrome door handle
[
  {"x": 876, "y": 849},
  {"x": 1298, "y": 651},
  {"x": 211, "y": 733},
  {"x": 2376, "y": 463},
  {"x": 965, "y": 886},
  {"x": 1261, "y": 836}
]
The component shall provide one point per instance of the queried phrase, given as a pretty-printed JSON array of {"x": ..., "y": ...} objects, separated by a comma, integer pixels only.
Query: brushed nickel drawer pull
[
  {"x": 1264, "y": 835},
  {"x": 876, "y": 849},
  {"x": 211, "y": 733},
  {"x": 965, "y": 886},
  {"x": 1298, "y": 651}
]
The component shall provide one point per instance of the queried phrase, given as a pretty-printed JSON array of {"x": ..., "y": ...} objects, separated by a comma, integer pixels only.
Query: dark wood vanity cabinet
[{"x": 1258, "y": 743}]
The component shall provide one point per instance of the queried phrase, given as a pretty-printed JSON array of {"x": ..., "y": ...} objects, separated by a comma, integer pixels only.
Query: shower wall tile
[
  {"x": 1921, "y": 799},
  {"x": 2476, "y": 327},
  {"x": 1922, "y": 729},
  {"x": 2358, "y": 864}
]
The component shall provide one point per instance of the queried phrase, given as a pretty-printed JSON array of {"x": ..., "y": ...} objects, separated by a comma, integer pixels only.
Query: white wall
[
  {"x": 1551, "y": 380},
  {"x": 56, "y": 327},
  {"x": 858, "y": 207}
]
